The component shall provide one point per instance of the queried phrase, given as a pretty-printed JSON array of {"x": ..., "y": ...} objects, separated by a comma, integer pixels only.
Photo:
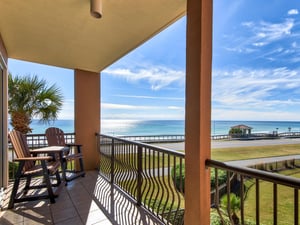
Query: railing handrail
[
  {"x": 255, "y": 173},
  {"x": 144, "y": 172},
  {"x": 41, "y": 135},
  {"x": 244, "y": 173},
  {"x": 154, "y": 138},
  {"x": 115, "y": 147},
  {"x": 154, "y": 135},
  {"x": 156, "y": 148},
  {"x": 40, "y": 140}
]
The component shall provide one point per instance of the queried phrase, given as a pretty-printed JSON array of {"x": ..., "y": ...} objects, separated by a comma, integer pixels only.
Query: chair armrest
[
  {"x": 34, "y": 158},
  {"x": 77, "y": 147},
  {"x": 73, "y": 145}
]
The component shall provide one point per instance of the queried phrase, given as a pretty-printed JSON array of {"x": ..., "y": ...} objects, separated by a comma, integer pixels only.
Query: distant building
[{"x": 240, "y": 130}]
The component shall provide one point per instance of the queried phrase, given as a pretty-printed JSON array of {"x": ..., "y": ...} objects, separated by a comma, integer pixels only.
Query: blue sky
[{"x": 256, "y": 72}]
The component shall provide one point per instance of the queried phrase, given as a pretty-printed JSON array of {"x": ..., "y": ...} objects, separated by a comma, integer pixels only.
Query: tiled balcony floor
[{"x": 88, "y": 200}]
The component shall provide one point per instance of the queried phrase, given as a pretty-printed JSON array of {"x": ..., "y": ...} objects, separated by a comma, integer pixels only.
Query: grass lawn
[
  {"x": 238, "y": 153},
  {"x": 285, "y": 194},
  {"x": 285, "y": 201}
]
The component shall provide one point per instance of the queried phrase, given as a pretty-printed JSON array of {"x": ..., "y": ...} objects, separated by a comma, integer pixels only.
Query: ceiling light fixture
[{"x": 96, "y": 8}]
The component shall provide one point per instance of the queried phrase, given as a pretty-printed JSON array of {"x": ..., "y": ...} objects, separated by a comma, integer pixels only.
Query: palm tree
[
  {"x": 235, "y": 205},
  {"x": 29, "y": 97}
]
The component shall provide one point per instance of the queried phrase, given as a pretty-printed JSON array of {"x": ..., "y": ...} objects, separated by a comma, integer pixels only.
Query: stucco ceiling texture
[{"x": 63, "y": 33}]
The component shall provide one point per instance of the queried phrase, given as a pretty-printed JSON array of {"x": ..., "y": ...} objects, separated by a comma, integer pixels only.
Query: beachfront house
[
  {"x": 240, "y": 130},
  {"x": 63, "y": 33}
]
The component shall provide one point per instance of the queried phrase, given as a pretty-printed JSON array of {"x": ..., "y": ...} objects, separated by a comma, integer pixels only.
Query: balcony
[
  {"x": 135, "y": 185},
  {"x": 48, "y": 29},
  {"x": 88, "y": 200}
]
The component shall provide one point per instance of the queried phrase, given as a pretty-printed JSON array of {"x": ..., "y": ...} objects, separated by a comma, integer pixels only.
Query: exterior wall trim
[{"x": 4, "y": 117}]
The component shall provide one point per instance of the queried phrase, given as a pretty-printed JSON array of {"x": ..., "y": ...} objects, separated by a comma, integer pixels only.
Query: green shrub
[
  {"x": 222, "y": 178},
  {"x": 235, "y": 132},
  {"x": 179, "y": 179},
  {"x": 12, "y": 168}
]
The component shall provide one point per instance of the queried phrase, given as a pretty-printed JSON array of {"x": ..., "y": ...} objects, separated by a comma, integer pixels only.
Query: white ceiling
[{"x": 63, "y": 33}]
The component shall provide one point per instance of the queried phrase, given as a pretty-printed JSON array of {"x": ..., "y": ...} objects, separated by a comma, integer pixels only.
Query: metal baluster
[
  {"x": 257, "y": 200},
  {"x": 274, "y": 204}
]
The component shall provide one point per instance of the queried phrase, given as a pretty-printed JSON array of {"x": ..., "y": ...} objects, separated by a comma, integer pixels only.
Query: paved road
[
  {"x": 247, "y": 162},
  {"x": 252, "y": 162},
  {"x": 232, "y": 144},
  {"x": 247, "y": 143}
]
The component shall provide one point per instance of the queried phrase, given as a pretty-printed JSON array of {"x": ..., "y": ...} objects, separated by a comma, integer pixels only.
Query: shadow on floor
[
  {"x": 118, "y": 207},
  {"x": 88, "y": 200}
]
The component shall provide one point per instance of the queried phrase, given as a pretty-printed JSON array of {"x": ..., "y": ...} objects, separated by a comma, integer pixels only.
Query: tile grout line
[
  {"x": 92, "y": 196},
  {"x": 71, "y": 199}
]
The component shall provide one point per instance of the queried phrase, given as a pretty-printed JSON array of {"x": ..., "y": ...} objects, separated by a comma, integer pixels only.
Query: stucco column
[
  {"x": 87, "y": 115},
  {"x": 198, "y": 111}
]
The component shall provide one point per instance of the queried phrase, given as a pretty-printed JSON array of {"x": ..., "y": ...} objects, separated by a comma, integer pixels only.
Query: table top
[{"x": 51, "y": 149}]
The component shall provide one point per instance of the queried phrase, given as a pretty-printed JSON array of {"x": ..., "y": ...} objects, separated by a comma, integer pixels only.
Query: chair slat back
[
  {"x": 55, "y": 137},
  {"x": 19, "y": 143}
]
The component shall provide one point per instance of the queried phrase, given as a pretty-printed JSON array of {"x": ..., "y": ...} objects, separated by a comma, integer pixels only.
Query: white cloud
[
  {"x": 266, "y": 32},
  {"x": 259, "y": 44},
  {"x": 241, "y": 49},
  {"x": 236, "y": 114},
  {"x": 158, "y": 77},
  {"x": 275, "y": 31},
  {"x": 257, "y": 91},
  {"x": 137, "y": 107},
  {"x": 144, "y": 116},
  {"x": 127, "y": 107},
  {"x": 67, "y": 112},
  {"x": 293, "y": 12},
  {"x": 175, "y": 107},
  {"x": 141, "y": 112},
  {"x": 150, "y": 97},
  {"x": 248, "y": 24},
  {"x": 259, "y": 34}
]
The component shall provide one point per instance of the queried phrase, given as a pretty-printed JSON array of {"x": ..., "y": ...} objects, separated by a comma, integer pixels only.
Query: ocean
[{"x": 165, "y": 127}]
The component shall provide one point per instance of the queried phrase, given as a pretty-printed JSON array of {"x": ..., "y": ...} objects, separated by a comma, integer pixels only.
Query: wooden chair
[
  {"x": 30, "y": 166},
  {"x": 56, "y": 137}
]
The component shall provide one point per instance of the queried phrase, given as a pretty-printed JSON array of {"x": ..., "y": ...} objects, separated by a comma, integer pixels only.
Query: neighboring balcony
[{"x": 139, "y": 183}]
